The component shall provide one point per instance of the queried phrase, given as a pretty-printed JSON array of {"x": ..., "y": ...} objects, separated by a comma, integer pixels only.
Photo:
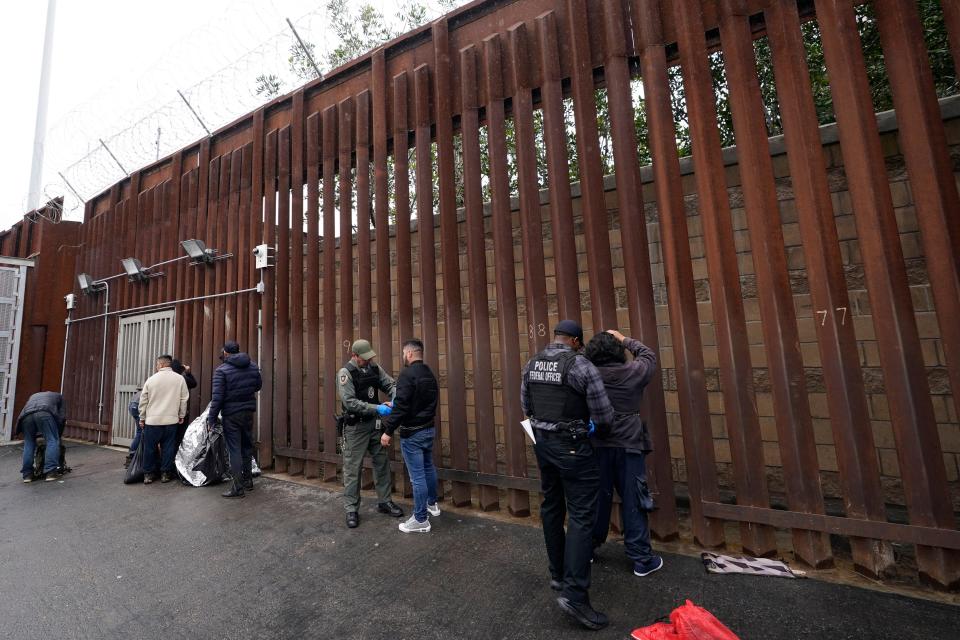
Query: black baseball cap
[
  {"x": 231, "y": 346},
  {"x": 569, "y": 328}
]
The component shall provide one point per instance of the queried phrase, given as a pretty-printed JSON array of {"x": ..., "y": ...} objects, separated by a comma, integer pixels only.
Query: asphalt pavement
[{"x": 89, "y": 557}]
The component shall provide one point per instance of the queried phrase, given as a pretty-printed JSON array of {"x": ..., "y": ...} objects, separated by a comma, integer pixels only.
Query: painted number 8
[{"x": 541, "y": 331}]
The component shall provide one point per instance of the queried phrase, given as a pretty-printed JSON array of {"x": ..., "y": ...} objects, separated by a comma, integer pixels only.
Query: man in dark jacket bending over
[
  {"x": 44, "y": 414},
  {"x": 235, "y": 384}
]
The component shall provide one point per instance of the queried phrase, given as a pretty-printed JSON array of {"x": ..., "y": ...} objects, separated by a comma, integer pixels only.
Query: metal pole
[
  {"x": 70, "y": 186},
  {"x": 104, "y": 144},
  {"x": 103, "y": 355},
  {"x": 40, "y": 129},
  {"x": 306, "y": 51},
  {"x": 66, "y": 345},
  {"x": 195, "y": 114}
]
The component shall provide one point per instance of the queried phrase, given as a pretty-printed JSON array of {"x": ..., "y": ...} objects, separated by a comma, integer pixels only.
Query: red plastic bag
[{"x": 688, "y": 622}]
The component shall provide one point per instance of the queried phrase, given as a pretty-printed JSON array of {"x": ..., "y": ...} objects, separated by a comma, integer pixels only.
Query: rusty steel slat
[
  {"x": 515, "y": 443},
  {"x": 229, "y": 240},
  {"x": 255, "y": 237},
  {"x": 345, "y": 142},
  {"x": 923, "y": 140},
  {"x": 123, "y": 296},
  {"x": 144, "y": 201},
  {"x": 477, "y": 277},
  {"x": 904, "y": 374},
  {"x": 381, "y": 128},
  {"x": 847, "y": 402},
  {"x": 331, "y": 347},
  {"x": 191, "y": 324},
  {"x": 603, "y": 305},
  {"x": 295, "y": 343},
  {"x": 218, "y": 316},
  {"x": 281, "y": 389},
  {"x": 312, "y": 356},
  {"x": 210, "y": 352},
  {"x": 450, "y": 256},
  {"x": 176, "y": 285},
  {"x": 539, "y": 332},
  {"x": 636, "y": 260},
  {"x": 185, "y": 224},
  {"x": 558, "y": 172},
  {"x": 736, "y": 370},
  {"x": 268, "y": 320},
  {"x": 364, "y": 266},
  {"x": 242, "y": 254},
  {"x": 426, "y": 237},
  {"x": 798, "y": 451},
  {"x": 202, "y": 372},
  {"x": 194, "y": 281},
  {"x": 401, "y": 172}
]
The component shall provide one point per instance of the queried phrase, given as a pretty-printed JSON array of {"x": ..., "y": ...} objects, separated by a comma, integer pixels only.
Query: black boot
[
  {"x": 235, "y": 491},
  {"x": 248, "y": 483}
]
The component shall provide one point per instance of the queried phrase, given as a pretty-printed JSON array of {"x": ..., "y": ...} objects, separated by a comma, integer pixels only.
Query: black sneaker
[
  {"x": 166, "y": 477},
  {"x": 353, "y": 520},
  {"x": 390, "y": 508},
  {"x": 248, "y": 483},
  {"x": 583, "y": 613}
]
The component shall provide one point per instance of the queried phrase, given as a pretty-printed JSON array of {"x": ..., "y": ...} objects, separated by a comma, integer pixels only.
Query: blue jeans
[
  {"x": 40, "y": 423},
  {"x": 627, "y": 472},
  {"x": 417, "y": 452},
  {"x": 164, "y": 435},
  {"x": 136, "y": 439}
]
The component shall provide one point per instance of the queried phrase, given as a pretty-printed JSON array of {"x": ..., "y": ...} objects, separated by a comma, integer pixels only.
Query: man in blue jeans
[
  {"x": 44, "y": 414},
  {"x": 622, "y": 455},
  {"x": 163, "y": 405},
  {"x": 412, "y": 416}
]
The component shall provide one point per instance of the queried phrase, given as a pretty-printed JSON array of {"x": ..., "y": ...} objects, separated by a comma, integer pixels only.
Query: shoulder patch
[{"x": 343, "y": 378}]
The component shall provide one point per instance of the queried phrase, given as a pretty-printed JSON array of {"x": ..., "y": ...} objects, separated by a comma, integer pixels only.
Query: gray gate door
[
  {"x": 13, "y": 280},
  {"x": 140, "y": 340}
]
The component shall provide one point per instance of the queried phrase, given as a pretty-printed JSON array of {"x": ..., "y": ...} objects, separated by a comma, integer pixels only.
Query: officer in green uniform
[{"x": 359, "y": 384}]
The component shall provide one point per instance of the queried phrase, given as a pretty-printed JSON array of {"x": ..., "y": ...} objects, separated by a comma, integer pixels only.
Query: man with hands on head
[{"x": 359, "y": 384}]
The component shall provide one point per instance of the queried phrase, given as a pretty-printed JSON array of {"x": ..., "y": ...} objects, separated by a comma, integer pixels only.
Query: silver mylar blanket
[{"x": 191, "y": 448}]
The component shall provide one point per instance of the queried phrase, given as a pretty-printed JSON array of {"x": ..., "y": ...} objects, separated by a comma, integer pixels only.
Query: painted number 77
[{"x": 824, "y": 312}]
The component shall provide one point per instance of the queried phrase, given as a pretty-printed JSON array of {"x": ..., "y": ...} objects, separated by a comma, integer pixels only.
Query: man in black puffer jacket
[{"x": 235, "y": 384}]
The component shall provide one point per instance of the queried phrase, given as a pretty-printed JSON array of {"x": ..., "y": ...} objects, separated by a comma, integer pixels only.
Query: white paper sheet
[{"x": 529, "y": 429}]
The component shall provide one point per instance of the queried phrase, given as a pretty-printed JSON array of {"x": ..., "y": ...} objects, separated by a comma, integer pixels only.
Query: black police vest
[
  {"x": 365, "y": 384},
  {"x": 552, "y": 398}
]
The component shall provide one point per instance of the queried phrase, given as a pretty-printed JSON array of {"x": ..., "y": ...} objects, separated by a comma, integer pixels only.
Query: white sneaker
[
  {"x": 412, "y": 526},
  {"x": 433, "y": 509}
]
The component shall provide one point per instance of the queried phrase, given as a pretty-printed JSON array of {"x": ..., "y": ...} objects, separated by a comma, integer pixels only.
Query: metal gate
[
  {"x": 140, "y": 340},
  {"x": 13, "y": 279}
]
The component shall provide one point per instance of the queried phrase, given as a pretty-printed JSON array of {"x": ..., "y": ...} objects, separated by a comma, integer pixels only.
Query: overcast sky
[{"x": 112, "y": 60}]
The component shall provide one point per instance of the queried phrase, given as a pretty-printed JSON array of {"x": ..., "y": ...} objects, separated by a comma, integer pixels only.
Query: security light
[
  {"x": 86, "y": 283},
  {"x": 134, "y": 269},
  {"x": 198, "y": 251}
]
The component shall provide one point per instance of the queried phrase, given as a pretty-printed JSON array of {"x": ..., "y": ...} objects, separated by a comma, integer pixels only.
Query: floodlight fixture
[
  {"x": 134, "y": 270},
  {"x": 87, "y": 284},
  {"x": 198, "y": 252}
]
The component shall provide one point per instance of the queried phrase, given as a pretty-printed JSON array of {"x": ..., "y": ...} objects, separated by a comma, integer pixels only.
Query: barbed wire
[{"x": 205, "y": 81}]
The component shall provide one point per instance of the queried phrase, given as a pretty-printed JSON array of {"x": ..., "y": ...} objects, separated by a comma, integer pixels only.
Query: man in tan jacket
[{"x": 163, "y": 404}]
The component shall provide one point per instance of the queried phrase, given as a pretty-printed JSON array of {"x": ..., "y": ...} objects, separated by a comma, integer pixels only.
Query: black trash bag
[
  {"x": 212, "y": 460},
  {"x": 135, "y": 468}
]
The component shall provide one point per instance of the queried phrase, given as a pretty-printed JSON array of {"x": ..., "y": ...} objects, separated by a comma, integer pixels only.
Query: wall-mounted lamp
[
  {"x": 198, "y": 252},
  {"x": 135, "y": 271},
  {"x": 88, "y": 285}
]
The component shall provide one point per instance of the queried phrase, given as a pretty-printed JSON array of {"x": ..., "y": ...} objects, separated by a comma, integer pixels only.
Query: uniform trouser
[
  {"x": 569, "y": 479},
  {"x": 359, "y": 439},
  {"x": 43, "y": 424},
  {"x": 627, "y": 472},
  {"x": 238, "y": 432}
]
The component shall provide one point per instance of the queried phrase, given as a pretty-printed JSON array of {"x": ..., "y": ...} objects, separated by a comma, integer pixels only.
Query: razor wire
[{"x": 207, "y": 79}]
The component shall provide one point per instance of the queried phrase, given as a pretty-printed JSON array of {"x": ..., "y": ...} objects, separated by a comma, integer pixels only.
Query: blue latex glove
[
  {"x": 384, "y": 410},
  {"x": 592, "y": 429}
]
